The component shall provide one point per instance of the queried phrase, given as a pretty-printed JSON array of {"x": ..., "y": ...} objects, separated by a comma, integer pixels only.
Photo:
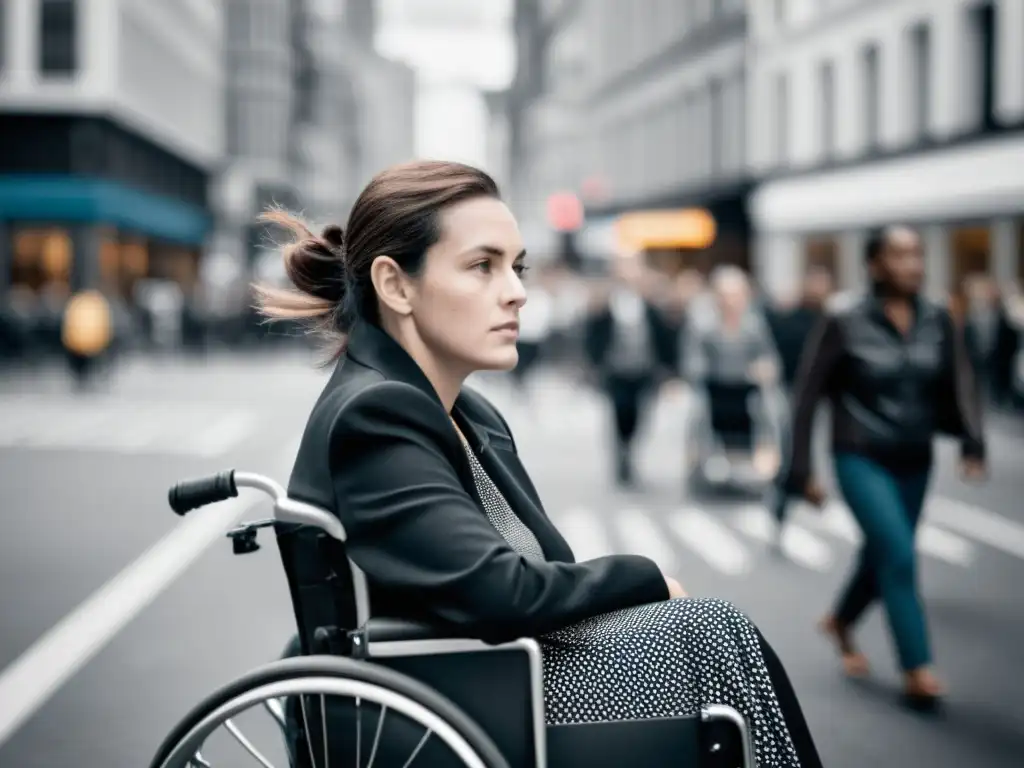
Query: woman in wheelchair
[
  {"x": 731, "y": 359},
  {"x": 422, "y": 289}
]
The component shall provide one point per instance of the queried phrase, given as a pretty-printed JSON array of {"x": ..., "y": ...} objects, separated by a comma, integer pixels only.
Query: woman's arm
[
  {"x": 818, "y": 361},
  {"x": 961, "y": 393},
  {"x": 413, "y": 528}
]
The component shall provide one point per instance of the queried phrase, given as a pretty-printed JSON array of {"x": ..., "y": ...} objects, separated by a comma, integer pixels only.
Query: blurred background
[{"x": 640, "y": 143}]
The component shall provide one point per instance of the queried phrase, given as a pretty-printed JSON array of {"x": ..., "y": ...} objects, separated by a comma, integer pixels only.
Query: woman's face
[
  {"x": 901, "y": 262},
  {"x": 468, "y": 297}
]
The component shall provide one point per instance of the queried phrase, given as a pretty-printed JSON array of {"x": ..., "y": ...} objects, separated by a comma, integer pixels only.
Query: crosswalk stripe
[
  {"x": 943, "y": 545},
  {"x": 641, "y": 536},
  {"x": 799, "y": 544},
  {"x": 979, "y": 524},
  {"x": 931, "y": 541},
  {"x": 710, "y": 540},
  {"x": 585, "y": 532}
]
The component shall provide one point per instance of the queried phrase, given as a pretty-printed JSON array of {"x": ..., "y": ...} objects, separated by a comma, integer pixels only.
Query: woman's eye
[
  {"x": 483, "y": 266},
  {"x": 521, "y": 269}
]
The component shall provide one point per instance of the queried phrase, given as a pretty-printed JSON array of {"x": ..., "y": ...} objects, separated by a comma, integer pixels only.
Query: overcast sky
[{"x": 458, "y": 47}]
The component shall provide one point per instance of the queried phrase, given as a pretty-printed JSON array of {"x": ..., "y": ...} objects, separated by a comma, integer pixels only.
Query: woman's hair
[{"x": 396, "y": 215}]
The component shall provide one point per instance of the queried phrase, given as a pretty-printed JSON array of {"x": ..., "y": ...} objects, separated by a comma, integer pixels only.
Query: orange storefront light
[{"x": 687, "y": 228}]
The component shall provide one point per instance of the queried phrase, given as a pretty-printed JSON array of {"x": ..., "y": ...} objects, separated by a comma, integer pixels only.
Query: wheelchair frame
[
  {"x": 708, "y": 444},
  {"x": 196, "y": 493}
]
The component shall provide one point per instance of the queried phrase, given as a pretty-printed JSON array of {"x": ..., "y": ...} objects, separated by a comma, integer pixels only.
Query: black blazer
[
  {"x": 599, "y": 333},
  {"x": 380, "y": 451}
]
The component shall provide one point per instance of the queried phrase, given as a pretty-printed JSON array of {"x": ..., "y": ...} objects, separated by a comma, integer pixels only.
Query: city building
[
  {"x": 868, "y": 113},
  {"x": 643, "y": 107},
  {"x": 111, "y": 123}
]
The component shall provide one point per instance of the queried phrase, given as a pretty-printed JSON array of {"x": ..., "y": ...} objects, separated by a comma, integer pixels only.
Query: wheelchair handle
[{"x": 198, "y": 492}]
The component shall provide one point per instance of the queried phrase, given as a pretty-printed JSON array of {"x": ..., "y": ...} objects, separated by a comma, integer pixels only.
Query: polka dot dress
[{"x": 660, "y": 660}]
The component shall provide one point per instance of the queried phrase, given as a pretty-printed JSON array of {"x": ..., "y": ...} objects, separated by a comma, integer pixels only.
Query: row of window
[
  {"x": 630, "y": 33},
  {"x": 58, "y": 47},
  {"x": 831, "y": 90},
  {"x": 694, "y": 137}
]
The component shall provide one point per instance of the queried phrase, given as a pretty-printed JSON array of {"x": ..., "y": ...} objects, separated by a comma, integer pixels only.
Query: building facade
[
  {"x": 644, "y": 107},
  {"x": 111, "y": 124},
  {"x": 867, "y": 113}
]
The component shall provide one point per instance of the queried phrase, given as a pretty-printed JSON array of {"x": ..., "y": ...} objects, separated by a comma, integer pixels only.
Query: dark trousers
[
  {"x": 628, "y": 395},
  {"x": 887, "y": 506}
]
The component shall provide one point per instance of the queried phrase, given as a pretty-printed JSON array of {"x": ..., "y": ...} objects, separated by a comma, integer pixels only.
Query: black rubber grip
[{"x": 192, "y": 494}]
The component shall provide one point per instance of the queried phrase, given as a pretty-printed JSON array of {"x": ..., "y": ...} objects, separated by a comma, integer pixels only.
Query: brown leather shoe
[{"x": 855, "y": 663}]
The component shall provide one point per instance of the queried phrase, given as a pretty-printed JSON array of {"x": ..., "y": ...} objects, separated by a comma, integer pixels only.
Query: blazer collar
[{"x": 375, "y": 348}]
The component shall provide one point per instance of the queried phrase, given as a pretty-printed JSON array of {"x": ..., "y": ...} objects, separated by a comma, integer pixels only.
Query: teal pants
[{"x": 887, "y": 506}]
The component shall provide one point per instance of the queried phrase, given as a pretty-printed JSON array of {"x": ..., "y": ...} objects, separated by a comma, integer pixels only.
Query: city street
[{"x": 83, "y": 484}]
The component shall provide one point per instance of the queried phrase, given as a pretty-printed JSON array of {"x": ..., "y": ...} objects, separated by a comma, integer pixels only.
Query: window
[
  {"x": 827, "y": 78},
  {"x": 872, "y": 98},
  {"x": 920, "y": 80},
  {"x": 982, "y": 64},
  {"x": 3, "y": 34},
  {"x": 716, "y": 125},
  {"x": 782, "y": 119},
  {"x": 57, "y": 41}
]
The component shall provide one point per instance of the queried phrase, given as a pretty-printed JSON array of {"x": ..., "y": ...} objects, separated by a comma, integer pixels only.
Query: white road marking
[
  {"x": 797, "y": 543},
  {"x": 585, "y": 531},
  {"x": 943, "y": 545},
  {"x": 710, "y": 540},
  {"x": 641, "y": 536},
  {"x": 979, "y": 524},
  {"x": 31, "y": 679},
  {"x": 121, "y": 426}
]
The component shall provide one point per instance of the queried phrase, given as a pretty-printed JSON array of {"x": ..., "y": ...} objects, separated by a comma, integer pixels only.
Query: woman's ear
[{"x": 392, "y": 285}]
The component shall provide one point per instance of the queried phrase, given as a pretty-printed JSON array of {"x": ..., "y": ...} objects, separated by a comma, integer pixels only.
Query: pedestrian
[
  {"x": 894, "y": 367},
  {"x": 629, "y": 346}
]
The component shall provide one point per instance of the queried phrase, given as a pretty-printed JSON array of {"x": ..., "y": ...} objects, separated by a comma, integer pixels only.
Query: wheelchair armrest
[{"x": 387, "y": 630}]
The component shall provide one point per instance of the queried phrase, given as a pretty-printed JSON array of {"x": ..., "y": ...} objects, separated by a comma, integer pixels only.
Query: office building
[
  {"x": 111, "y": 124},
  {"x": 863, "y": 114}
]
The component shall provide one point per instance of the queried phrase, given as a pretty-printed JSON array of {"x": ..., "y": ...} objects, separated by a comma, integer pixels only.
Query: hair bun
[{"x": 334, "y": 235}]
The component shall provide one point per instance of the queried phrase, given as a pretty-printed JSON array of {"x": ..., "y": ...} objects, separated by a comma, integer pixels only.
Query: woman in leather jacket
[{"x": 895, "y": 369}]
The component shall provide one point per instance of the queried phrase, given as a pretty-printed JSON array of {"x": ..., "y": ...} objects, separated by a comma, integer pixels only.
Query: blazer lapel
[{"x": 510, "y": 478}]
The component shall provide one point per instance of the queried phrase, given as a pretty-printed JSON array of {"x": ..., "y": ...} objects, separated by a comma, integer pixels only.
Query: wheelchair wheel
[{"x": 327, "y": 712}]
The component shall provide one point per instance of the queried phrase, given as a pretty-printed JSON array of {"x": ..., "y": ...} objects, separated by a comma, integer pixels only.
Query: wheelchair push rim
[{"x": 313, "y": 679}]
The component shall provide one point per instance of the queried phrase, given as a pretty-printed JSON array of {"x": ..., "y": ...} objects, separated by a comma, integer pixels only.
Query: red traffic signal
[{"x": 565, "y": 212}]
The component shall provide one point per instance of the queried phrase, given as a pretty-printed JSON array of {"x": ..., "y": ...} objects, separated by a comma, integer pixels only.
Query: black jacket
[
  {"x": 599, "y": 334},
  {"x": 890, "y": 394},
  {"x": 381, "y": 452}
]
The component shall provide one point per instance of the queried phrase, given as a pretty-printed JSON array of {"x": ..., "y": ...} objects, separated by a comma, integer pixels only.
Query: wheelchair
[
  {"x": 730, "y": 435},
  {"x": 357, "y": 690}
]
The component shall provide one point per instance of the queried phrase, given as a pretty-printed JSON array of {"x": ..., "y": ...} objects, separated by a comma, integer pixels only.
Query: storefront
[
  {"x": 967, "y": 200},
  {"x": 83, "y": 203}
]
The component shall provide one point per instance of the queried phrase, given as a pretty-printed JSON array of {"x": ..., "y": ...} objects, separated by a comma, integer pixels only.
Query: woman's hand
[
  {"x": 973, "y": 470},
  {"x": 814, "y": 493},
  {"x": 675, "y": 589}
]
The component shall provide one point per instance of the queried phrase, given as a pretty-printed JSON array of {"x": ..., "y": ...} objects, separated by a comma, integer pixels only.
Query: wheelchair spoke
[
  {"x": 359, "y": 730},
  {"x": 246, "y": 744},
  {"x": 376, "y": 738},
  {"x": 419, "y": 746},
  {"x": 276, "y": 709},
  {"x": 309, "y": 741},
  {"x": 323, "y": 728}
]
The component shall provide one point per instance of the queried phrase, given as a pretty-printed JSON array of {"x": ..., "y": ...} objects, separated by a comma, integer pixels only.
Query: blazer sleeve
[
  {"x": 818, "y": 361},
  {"x": 413, "y": 528},
  {"x": 961, "y": 408}
]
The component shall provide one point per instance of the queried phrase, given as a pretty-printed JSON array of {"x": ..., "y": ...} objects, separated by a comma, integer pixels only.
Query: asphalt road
[{"x": 83, "y": 483}]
